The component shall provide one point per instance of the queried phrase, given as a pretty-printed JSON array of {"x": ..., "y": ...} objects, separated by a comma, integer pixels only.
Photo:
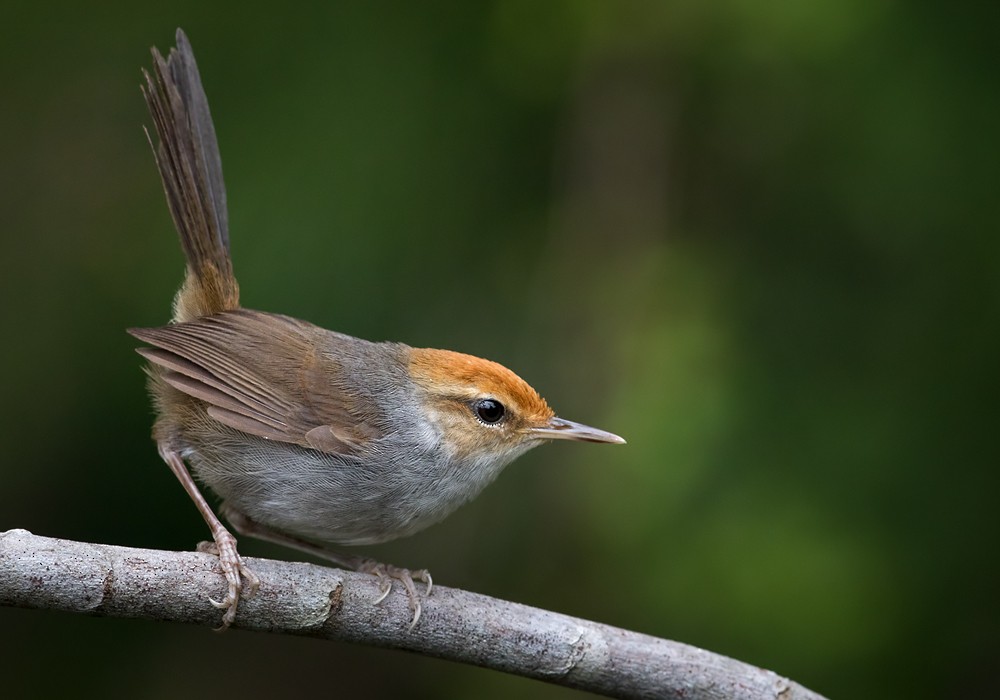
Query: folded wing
[{"x": 264, "y": 374}]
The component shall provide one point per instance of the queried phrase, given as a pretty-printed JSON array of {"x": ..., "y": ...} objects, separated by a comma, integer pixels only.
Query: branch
[{"x": 316, "y": 601}]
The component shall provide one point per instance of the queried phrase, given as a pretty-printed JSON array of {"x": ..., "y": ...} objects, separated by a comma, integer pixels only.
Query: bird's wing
[{"x": 265, "y": 375}]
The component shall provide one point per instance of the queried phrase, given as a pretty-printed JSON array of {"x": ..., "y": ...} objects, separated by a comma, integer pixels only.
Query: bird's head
[{"x": 485, "y": 411}]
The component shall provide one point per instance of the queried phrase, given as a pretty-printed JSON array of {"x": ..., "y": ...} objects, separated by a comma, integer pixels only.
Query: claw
[
  {"x": 425, "y": 576},
  {"x": 416, "y": 617},
  {"x": 386, "y": 590},
  {"x": 251, "y": 578}
]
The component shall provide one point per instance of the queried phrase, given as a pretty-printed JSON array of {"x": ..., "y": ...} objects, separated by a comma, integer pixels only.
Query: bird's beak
[{"x": 560, "y": 429}]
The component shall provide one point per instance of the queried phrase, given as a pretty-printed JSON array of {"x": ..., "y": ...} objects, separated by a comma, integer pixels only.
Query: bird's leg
[
  {"x": 385, "y": 572},
  {"x": 224, "y": 545}
]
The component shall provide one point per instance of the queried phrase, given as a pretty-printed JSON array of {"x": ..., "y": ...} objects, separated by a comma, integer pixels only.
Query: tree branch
[{"x": 316, "y": 601}]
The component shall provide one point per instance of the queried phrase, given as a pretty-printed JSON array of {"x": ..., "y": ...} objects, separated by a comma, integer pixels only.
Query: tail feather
[{"x": 187, "y": 155}]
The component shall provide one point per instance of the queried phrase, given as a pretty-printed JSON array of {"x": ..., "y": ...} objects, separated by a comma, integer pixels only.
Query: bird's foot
[
  {"x": 239, "y": 578},
  {"x": 386, "y": 573}
]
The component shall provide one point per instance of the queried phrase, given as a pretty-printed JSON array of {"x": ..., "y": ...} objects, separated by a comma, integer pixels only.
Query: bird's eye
[{"x": 489, "y": 411}]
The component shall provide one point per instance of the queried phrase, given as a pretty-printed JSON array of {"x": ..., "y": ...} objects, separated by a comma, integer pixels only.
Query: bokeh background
[{"x": 758, "y": 239}]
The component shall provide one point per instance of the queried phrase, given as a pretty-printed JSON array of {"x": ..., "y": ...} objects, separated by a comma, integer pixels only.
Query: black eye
[{"x": 489, "y": 411}]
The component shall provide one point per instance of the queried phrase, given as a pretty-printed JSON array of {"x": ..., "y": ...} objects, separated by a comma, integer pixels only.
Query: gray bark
[{"x": 316, "y": 601}]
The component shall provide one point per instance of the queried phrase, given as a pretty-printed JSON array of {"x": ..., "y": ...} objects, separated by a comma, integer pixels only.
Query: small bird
[{"x": 309, "y": 436}]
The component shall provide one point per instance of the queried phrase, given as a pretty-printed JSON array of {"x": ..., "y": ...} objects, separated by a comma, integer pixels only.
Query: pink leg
[{"x": 225, "y": 544}]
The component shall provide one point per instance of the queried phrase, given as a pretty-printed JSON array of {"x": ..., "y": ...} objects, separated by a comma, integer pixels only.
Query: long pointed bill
[{"x": 560, "y": 429}]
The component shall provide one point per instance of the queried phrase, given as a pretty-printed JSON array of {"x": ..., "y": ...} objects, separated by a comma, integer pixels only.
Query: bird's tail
[{"x": 187, "y": 155}]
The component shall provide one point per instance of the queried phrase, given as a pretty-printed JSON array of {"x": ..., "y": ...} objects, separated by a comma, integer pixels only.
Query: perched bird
[{"x": 310, "y": 437}]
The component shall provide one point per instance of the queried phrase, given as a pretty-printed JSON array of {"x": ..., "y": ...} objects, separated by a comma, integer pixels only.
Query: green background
[{"x": 757, "y": 239}]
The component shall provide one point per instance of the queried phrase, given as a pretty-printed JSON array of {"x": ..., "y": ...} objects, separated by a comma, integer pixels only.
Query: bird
[{"x": 311, "y": 438}]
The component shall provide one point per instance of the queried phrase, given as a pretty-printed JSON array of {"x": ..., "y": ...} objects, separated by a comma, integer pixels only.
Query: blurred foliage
[{"x": 757, "y": 239}]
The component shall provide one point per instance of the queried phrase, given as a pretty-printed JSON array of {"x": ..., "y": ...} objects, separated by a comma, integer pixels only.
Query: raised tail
[{"x": 187, "y": 155}]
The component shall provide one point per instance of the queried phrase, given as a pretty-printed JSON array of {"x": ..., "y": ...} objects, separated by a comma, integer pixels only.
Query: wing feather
[{"x": 265, "y": 375}]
